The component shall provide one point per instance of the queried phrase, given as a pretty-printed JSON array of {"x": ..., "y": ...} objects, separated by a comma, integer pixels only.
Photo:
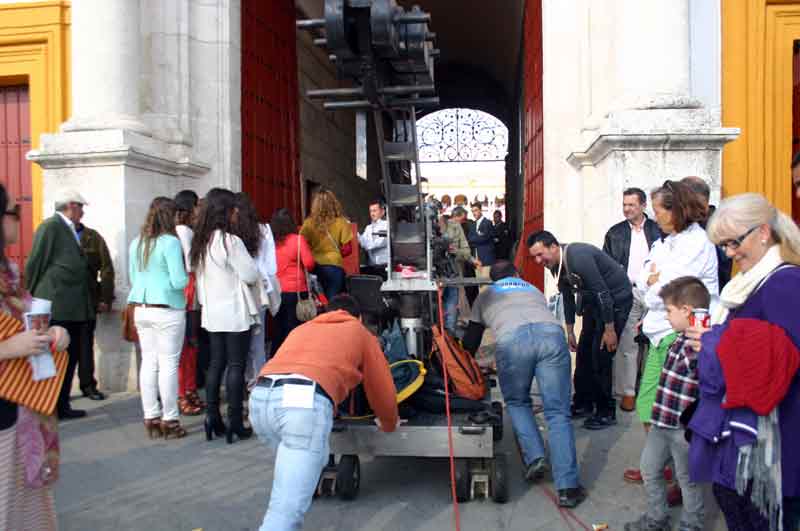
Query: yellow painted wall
[
  {"x": 35, "y": 49},
  {"x": 757, "y": 46}
]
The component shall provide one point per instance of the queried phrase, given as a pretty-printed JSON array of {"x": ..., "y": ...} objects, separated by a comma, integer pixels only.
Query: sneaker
[
  {"x": 599, "y": 423},
  {"x": 628, "y": 403},
  {"x": 634, "y": 475},
  {"x": 536, "y": 470},
  {"x": 645, "y": 523},
  {"x": 674, "y": 495},
  {"x": 571, "y": 498}
]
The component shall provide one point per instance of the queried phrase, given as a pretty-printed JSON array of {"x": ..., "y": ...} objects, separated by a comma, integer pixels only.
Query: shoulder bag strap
[
  {"x": 335, "y": 245},
  {"x": 784, "y": 265},
  {"x": 301, "y": 266}
]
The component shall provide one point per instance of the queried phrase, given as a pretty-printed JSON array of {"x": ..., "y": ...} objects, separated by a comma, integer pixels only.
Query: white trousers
[
  {"x": 161, "y": 333},
  {"x": 626, "y": 362}
]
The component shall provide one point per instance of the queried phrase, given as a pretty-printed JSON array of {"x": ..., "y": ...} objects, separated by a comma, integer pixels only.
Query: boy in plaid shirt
[{"x": 677, "y": 390}]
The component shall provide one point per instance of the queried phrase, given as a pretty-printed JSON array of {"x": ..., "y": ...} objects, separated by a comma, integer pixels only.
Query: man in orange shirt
[{"x": 294, "y": 401}]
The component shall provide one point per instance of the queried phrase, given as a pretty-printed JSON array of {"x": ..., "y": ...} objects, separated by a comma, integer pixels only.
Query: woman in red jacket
[{"x": 294, "y": 258}]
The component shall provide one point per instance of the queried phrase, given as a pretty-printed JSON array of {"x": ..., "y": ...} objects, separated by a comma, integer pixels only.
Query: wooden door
[
  {"x": 270, "y": 115},
  {"x": 15, "y": 170},
  {"x": 533, "y": 141}
]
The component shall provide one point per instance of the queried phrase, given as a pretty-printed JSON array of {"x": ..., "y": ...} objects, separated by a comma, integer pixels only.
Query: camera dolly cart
[{"x": 480, "y": 470}]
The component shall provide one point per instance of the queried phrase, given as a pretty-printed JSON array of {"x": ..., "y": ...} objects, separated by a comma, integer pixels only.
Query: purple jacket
[{"x": 718, "y": 433}]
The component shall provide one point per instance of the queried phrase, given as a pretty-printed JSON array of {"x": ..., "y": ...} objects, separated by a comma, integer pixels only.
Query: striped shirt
[{"x": 677, "y": 386}]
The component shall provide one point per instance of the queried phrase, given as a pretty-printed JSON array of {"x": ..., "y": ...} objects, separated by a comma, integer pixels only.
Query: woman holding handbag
[
  {"x": 158, "y": 277},
  {"x": 28, "y": 441},
  {"x": 330, "y": 236},
  {"x": 294, "y": 259},
  {"x": 226, "y": 274}
]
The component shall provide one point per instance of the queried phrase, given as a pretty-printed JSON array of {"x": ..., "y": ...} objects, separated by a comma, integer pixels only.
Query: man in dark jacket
[
  {"x": 57, "y": 270},
  {"x": 596, "y": 287},
  {"x": 503, "y": 238},
  {"x": 101, "y": 295},
  {"x": 629, "y": 242},
  {"x": 481, "y": 237},
  {"x": 701, "y": 189}
]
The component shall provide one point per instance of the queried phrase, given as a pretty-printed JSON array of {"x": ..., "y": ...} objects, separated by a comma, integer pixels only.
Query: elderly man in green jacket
[{"x": 57, "y": 270}]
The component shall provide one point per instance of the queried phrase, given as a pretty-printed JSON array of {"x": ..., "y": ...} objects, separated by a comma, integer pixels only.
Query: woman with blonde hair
[
  {"x": 330, "y": 236},
  {"x": 744, "y": 433}
]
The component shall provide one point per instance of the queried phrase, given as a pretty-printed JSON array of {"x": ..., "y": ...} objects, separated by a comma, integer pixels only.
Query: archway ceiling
[{"x": 481, "y": 35}]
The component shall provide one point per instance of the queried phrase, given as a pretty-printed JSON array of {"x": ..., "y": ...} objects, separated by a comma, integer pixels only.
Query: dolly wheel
[
  {"x": 499, "y": 487},
  {"x": 463, "y": 480},
  {"x": 348, "y": 477}
]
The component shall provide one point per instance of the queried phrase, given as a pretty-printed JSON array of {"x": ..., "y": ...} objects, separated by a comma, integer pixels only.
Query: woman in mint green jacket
[{"x": 158, "y": 276}]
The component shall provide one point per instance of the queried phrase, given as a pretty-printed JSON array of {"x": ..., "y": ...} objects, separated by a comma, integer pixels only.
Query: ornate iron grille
[{"x": 461, "y": 135}]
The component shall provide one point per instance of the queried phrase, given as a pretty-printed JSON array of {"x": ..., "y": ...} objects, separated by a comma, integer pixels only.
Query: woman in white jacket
[
  {"x": 226, "y": 274},
  {"x": 684, "y": 251}
]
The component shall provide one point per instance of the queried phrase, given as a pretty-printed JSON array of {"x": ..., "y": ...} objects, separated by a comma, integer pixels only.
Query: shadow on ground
[{"x": 114, "y": 478}]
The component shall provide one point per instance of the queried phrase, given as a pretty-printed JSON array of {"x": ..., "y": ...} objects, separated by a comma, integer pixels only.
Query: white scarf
[{"x": 739, "y": 288}]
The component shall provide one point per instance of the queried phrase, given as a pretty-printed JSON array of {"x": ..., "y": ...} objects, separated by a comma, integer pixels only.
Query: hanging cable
[{"x": 456, "y": 515}]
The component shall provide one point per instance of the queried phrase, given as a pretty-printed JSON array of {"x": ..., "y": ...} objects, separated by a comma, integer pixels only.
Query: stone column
[
  {"x": 106, "y": 66},
  {"x": 165, "y": 83},
  {"x": 653, "y": 54},
  {"x": 654, "y": 128}
]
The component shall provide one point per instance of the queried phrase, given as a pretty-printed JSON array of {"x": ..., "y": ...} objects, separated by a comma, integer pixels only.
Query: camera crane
[{"x": 388, "y": 53}]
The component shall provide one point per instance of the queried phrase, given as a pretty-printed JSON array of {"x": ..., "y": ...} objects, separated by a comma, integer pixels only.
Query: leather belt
[
  {"x": 143, "y": 305},
  {"x": 269, "y": 383}
]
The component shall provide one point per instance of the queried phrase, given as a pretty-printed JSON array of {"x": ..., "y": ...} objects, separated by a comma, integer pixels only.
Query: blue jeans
[
  {"x": 332, "y": 279},
  {"x": 540, "y": 350},
  {"x": 450, "y": 303},
  {"x": 301, "y": 440}
]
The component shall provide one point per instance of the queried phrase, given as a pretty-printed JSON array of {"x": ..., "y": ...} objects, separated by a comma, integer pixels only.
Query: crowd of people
[
  {"x": 706, "y": 359},
  {"x": 718, "y": 393}
]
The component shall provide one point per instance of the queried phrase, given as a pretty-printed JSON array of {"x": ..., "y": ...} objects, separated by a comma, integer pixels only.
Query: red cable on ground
[{"x": 449, "y": 420}]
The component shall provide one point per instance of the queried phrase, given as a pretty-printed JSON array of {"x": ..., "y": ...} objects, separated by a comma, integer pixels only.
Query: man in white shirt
[
  {"x": 375, "y": 242},
  {"x": 628, "y": 243}
]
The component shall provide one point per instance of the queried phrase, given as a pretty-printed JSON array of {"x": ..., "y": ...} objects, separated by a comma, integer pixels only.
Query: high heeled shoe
[
  {"x": 172, "y": 429},
  {"x": 214, "y": 426},
  {"x": 153, "y": 428},
  {"x": 242, "y": 432}
]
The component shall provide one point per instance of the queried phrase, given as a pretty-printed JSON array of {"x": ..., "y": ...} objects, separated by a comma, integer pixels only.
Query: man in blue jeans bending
[
  {"x": 531, "y": 343},
  {"x": 292, "y": 404}
]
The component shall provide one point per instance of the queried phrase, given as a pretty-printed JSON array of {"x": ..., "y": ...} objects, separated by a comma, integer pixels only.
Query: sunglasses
[
  {"x": 736, "y": 242},
  {"x": 14, "y": 212}
]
